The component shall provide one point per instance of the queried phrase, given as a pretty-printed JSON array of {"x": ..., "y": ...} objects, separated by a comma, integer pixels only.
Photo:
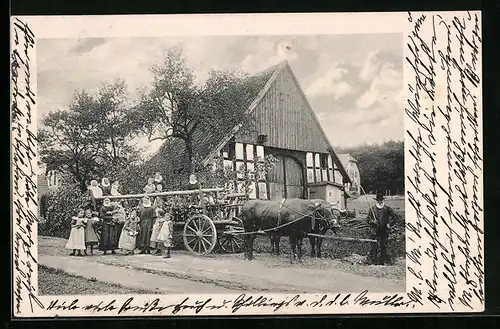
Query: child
[
  {"x": 95, "y": 192},
  {"x": 165, "y": 235},
  {"x": 158, "y": 202},
  {"x": 91, "y": 238},
  {"x": 129, "y": 233},
  {"x": 76, "y": 240},
  {"x": 155, "y": 244},
  {"x": 150, "y": 186},
  {"x": 158, "y": 180},
  {"x": 114, "y": 188},
  {"x": 105, "y": 186}
]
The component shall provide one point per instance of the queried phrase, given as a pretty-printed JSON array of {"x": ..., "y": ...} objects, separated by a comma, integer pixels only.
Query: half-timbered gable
[{"x": 282, "y": 123}]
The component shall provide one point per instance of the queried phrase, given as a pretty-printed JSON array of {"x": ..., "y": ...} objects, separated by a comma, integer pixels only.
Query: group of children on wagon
[{"x": 146, "y": 225}]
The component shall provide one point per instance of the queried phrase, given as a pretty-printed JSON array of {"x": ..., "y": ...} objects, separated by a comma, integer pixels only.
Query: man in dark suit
[{"x": 380, "y": 217}]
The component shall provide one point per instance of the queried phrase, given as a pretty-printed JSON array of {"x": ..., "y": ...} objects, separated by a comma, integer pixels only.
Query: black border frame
[{"x": 491, "y": 101}]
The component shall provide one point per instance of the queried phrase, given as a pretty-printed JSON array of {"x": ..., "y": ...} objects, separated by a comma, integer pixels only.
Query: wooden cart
[{"x": 205, "y": 226}]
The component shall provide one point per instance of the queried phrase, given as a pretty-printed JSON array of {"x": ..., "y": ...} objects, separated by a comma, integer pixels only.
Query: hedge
[{"x": 60, "y": 205}]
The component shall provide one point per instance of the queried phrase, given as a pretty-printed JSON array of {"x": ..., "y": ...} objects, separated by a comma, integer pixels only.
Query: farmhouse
[
  {"x": 351, "y": 166},
  {"x": 283, "y": 125},
  {"x": 46, "y": 181}
]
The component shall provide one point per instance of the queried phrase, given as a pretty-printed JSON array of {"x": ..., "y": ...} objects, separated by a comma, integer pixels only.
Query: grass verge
[{"x": 57, "y": 282}]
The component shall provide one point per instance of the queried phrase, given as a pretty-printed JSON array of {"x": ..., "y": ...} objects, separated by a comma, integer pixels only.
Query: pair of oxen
[{"x": 295, "y": 218}]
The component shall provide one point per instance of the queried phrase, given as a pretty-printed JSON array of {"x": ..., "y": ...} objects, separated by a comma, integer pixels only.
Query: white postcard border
[{"x": 416, "y": 29}]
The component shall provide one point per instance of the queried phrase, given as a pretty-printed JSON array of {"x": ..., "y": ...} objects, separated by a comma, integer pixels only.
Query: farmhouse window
[
  {"x": 241, "y": 158},
  {"x": 323, "y": 161},
  {"x": 240, "y": 169},
  {"x": 228, "y": 163},
  {"x": 253, "y": 191},
  {"x": 239, "y": 151},
  {"x": 241, "y": 187},
  {"x": 251, "y": 168},
  {"x": 310, "y": 175},
  {"x": 225, "y": 151},
  {"x": 249, "y": 152},
  {"x": 262, "y": 190},
  {"x": 317, "y": 168},
  {"x": 309, "y": 160},
  {"x": 331, "y": 176},
  {"x": 260, "y": 152},
  {"x": 229, "y": 150},
  {"x": 310, "y": 167}
]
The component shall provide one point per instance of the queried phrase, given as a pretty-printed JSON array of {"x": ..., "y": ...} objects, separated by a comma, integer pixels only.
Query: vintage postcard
[{"x": 271, "y": 164}]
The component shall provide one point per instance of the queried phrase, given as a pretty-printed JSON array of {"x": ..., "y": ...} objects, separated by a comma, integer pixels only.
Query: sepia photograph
[
  {"x": 167, "y": 164},
  {"x": 283, "y": 164}
]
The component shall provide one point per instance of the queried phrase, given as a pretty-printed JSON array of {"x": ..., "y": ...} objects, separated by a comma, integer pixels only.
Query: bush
[{"x": 60, "y": 206}]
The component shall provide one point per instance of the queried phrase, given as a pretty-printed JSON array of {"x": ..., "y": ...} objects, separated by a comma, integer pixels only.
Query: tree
[
  {"x": 170, "y": 108},
  {"x": 381, "y": 166},
  {"x": 176, "y": 107},
  {"x": 90, "y": 138}
]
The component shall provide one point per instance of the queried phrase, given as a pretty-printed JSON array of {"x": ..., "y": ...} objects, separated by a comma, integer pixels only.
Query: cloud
[
  {"x": 269, "y": 53},
  {"x": 385, "y": 86},
  {"x": 370, "y": 67},
  {"x": 331, "y": 78},
  {"x": 354, "y": 83},
  {"x": 87, "y": 45},
  {"x": 368, "y": 99}
]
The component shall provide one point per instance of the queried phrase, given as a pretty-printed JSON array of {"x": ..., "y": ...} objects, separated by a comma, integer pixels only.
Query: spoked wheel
[
  {"x": 200, "y": 235},
  {"x": 232, "y": 243}
]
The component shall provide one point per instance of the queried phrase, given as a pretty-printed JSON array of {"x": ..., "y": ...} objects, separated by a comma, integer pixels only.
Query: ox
[
  {"x": 320, "y": 227},
  {"x": 294, "y": 218}
]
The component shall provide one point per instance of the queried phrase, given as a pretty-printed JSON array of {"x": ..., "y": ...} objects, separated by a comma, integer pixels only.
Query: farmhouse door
[
  {"x": 294, "y": 179},
  {"x": 286, "y": 179}
]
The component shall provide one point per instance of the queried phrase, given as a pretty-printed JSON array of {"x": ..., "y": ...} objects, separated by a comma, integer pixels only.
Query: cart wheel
[
  {"x": 200, "y": 235},
  {"x": 232, "y": 243}
]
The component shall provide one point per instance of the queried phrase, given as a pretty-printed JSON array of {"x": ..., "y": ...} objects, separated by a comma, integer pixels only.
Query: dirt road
[{"x": 185, "y": 273}]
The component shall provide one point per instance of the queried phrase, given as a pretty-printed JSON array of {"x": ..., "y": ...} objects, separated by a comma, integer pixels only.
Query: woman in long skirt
[
  {"x": 109, "y": 230},
  {"x": 146, "y": 214}
]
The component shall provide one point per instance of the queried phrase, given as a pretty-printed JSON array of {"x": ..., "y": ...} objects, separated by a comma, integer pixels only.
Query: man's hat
[{"x": 380, "y": 197}]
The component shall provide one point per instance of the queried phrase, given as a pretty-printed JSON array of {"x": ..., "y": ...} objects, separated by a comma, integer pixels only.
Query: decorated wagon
[{"x": 206, "y": 218}]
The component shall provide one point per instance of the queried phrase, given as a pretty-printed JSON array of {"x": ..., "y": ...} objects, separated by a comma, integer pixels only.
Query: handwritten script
[
  {"x": 443, "y": 169},
  {"x": 444, "y": 160},
  {"x": 188, "y": 305},
  {"x": 24, "y": 183}
]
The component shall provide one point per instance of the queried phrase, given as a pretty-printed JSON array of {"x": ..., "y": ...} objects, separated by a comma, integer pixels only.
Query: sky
[{"x": 354, "y": 83}]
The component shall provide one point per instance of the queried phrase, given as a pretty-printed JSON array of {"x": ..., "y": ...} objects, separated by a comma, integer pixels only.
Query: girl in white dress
[
  {"x": 129, "y": 233},
  {"x": 155, "y": 244},
  {"x": 165, "y": 235},
  {"x": 114, "y": 188},
  {"x": 76, "y": 240},
  {"x": 150, "y": 186}
]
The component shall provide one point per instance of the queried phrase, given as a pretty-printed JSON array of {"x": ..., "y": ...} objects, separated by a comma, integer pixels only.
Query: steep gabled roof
[
  {"x": 276, "y": 70},
  {"x": 207, "y": 143},
  {"x": 345, "y": 158}
]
